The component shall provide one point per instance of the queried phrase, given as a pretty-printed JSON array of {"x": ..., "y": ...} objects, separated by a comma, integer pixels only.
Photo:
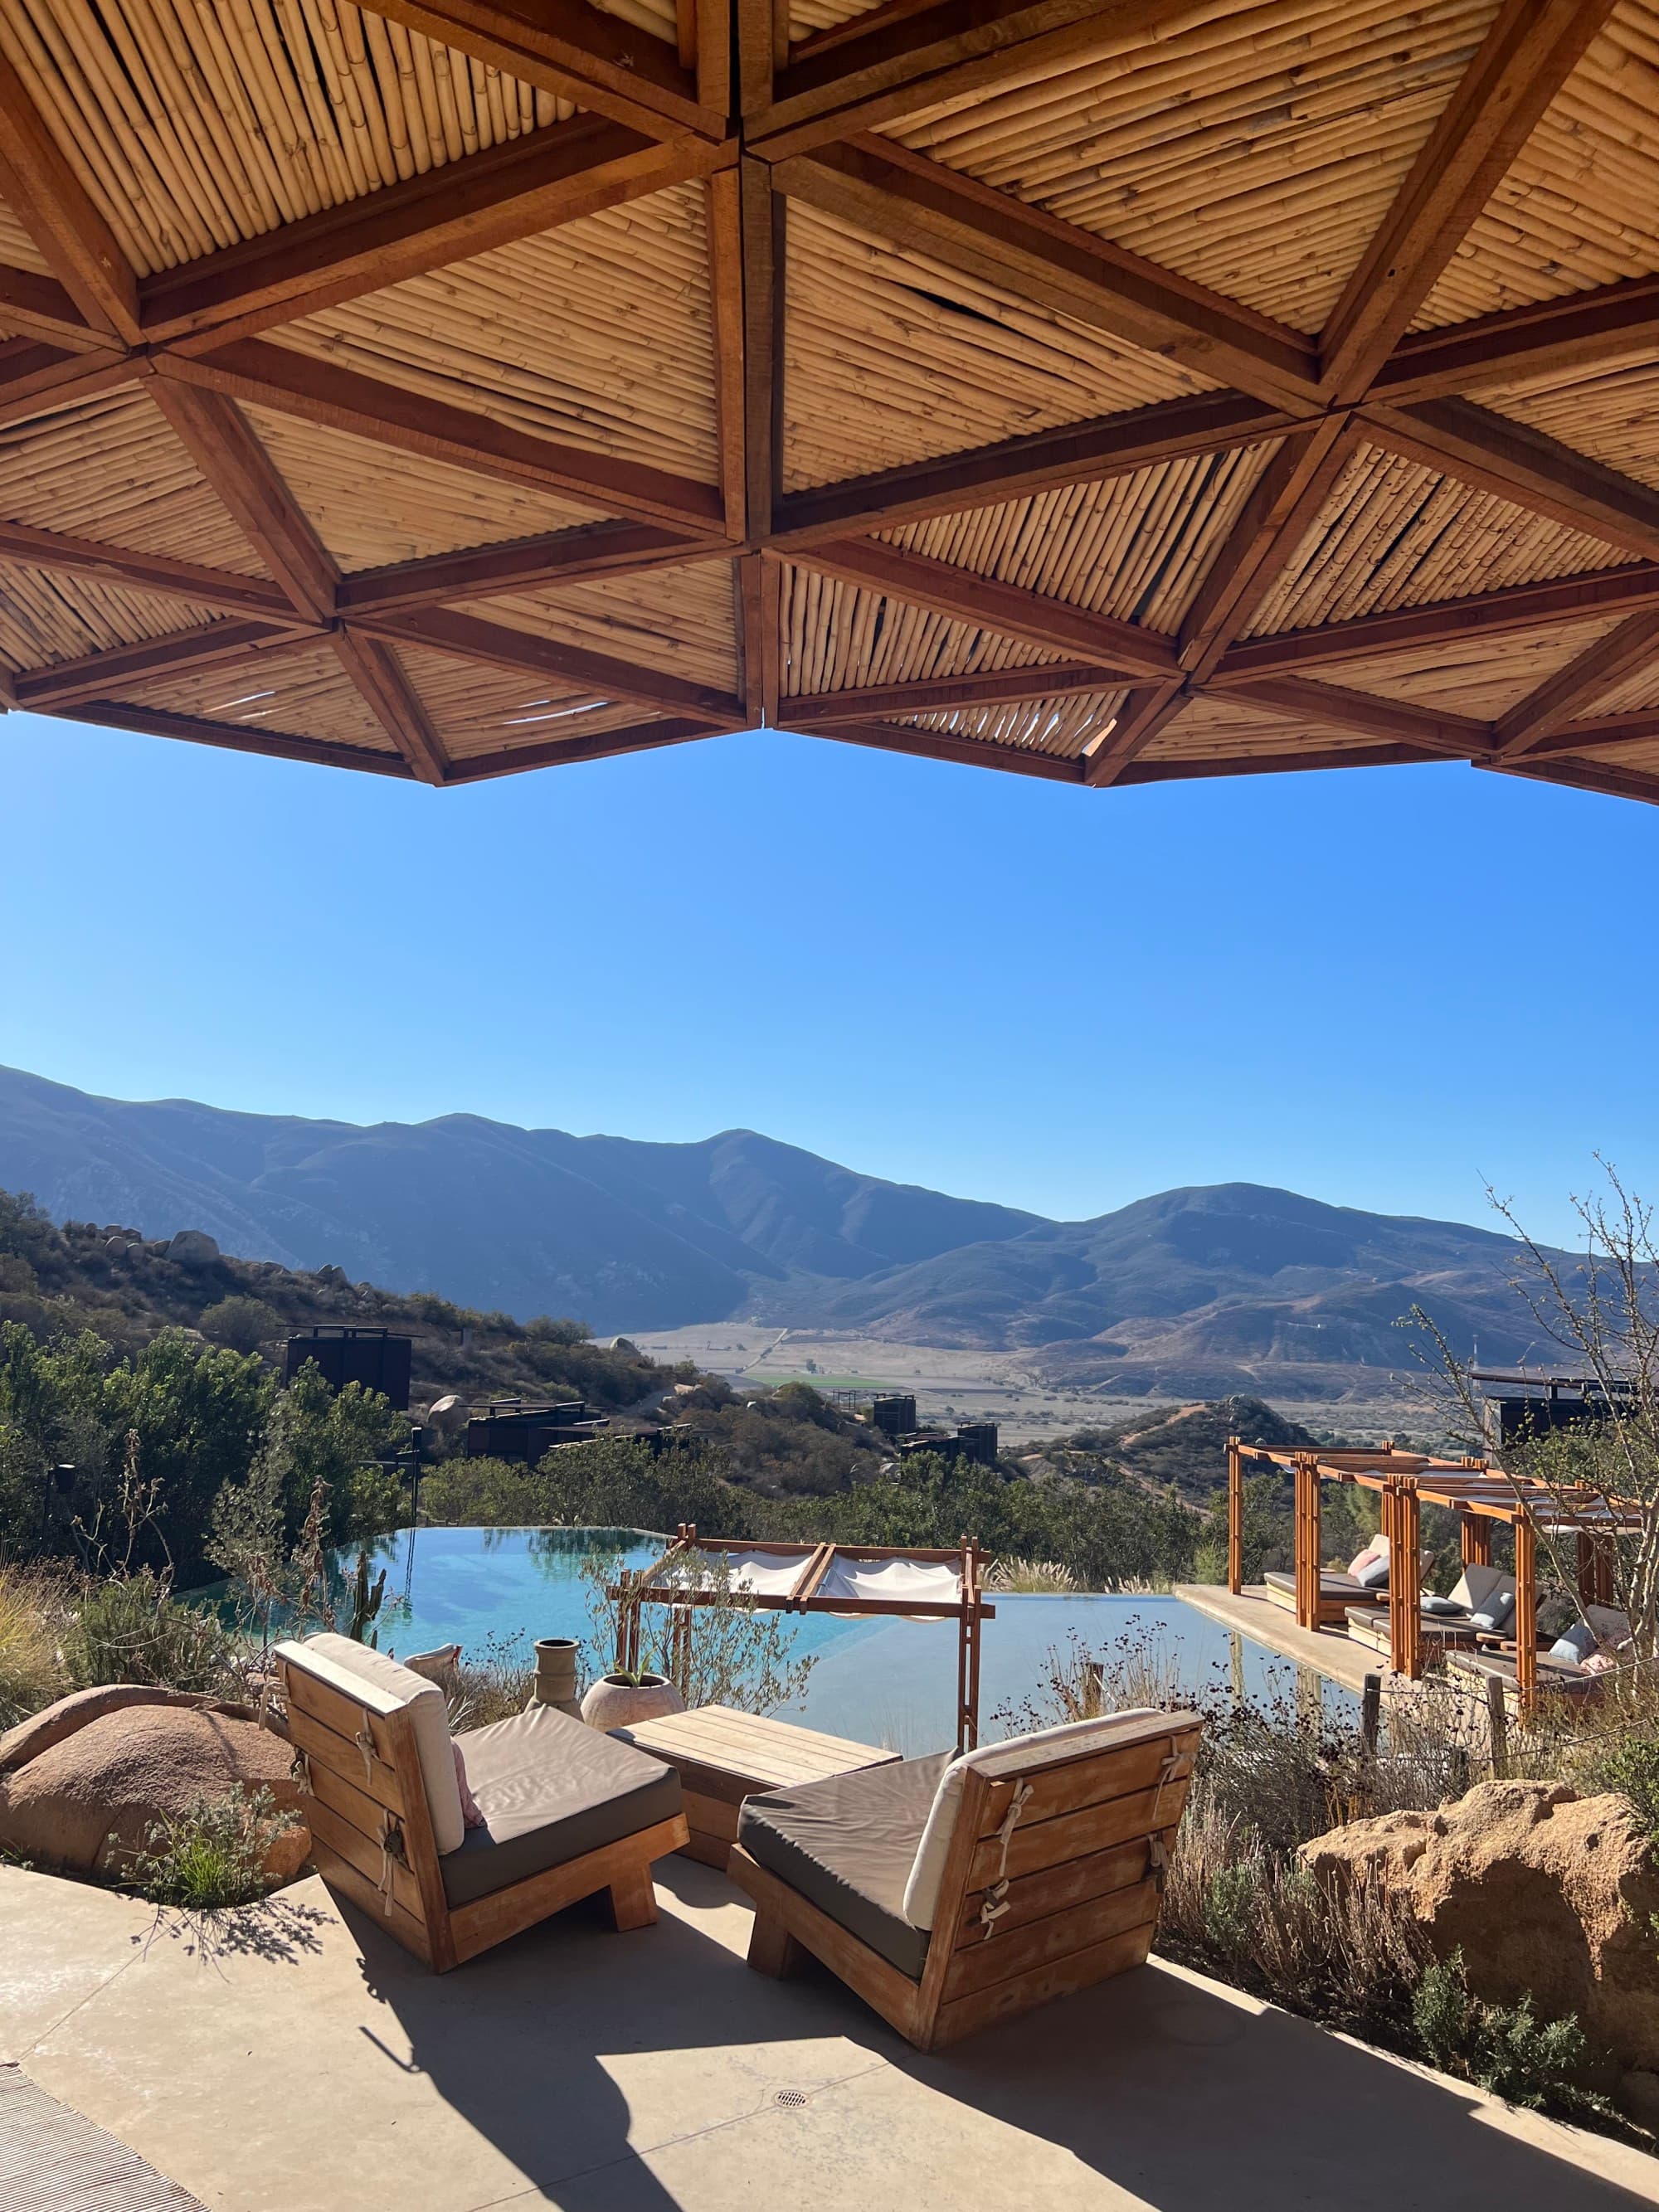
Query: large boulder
[
  {"x": 86, "y": 1801},
  {"x": 1543, "y": 1891},
  {"x": 41, "y": 1730},
  {"x": 193, "y": 1247}
]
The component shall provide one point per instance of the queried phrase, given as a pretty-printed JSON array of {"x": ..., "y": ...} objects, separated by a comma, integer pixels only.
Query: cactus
[{"x": 365, "y": 1601}]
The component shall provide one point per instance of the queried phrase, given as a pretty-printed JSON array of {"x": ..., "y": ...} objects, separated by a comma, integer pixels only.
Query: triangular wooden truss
[{"x": 1102, "y": 390}]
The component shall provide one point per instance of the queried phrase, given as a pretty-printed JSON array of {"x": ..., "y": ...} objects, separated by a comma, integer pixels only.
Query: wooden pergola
[
  {"x": 1107, "y": 391},
  {"x": 1482, "y": 1496},
  {"x": 820, "y": 1577}
]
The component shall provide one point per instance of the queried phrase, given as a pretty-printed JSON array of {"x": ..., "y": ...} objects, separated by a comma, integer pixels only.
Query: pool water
[{"x": 878, "y": 1682}]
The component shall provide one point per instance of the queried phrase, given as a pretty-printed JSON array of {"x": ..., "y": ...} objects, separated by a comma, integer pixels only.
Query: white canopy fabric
[
  {"x": 766, "y": 1573},
  {"x": 914, "y": 1582}
]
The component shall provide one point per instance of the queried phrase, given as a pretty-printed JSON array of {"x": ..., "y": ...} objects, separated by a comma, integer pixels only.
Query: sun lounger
[
  {"x": 952, "y": 1893},
  {"x": 1365, "y": 1624},
  {"x": 567, "y": 1811},
  {"x": 1338, "y": 1593},
  {"x": 1560, "y": 1675}
]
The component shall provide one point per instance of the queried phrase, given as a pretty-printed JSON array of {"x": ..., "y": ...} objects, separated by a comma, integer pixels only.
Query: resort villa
[{"x": 1104, "y": 391}]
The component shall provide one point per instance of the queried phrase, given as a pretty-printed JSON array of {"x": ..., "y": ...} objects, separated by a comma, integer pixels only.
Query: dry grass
[{"x": 32, "y": 1616}]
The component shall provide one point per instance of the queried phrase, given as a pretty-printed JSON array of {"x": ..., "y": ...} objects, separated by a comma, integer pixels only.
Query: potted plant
[{"x": 628, "y": 1696}]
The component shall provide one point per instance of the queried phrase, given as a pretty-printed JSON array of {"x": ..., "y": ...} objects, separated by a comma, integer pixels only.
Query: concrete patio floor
[{"x": 309, "y": 2065}]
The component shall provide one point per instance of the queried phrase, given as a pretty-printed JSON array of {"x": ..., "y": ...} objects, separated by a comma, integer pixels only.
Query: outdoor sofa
[
  {"x": 1480, "y": 1603},
  {"x": 561, "y": 1811},
  {"x": 1340, "y": 1590},
  {"x": 1571, "y": 1677},
  {"x": 953, "y": 1894}
]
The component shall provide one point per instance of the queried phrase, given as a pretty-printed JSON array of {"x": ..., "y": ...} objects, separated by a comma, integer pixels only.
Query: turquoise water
[{"x": 878, "y": 1682}]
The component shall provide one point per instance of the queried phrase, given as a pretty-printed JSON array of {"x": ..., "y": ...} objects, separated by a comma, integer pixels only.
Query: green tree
[
  {"x": 316, "y": 1435},
  {"x": 241, "y": 1324}
]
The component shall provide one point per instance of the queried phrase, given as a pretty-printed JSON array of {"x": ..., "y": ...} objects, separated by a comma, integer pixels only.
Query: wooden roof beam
[
  {"x": 1079, "y": 453},
  {"x": 1149, "y": 710},
  {"x": 1580, "y": 332},
  {"x": 386, "y": 691},
  {"x": 465, "y": 208},
  {"x": 59, "y": 214},
  {"x": 250, "y": 596},
  {"x": 757, "y": 584},
  {"x": 963, "y": 596},
  {"x": 944, "y": 746},
  {"x": 1190, "y": 768},
  {"x": 1521, "y": 465},
  {"x": 1484, "y": 613},
  {"x": 884, "y": 187},
  {"x": 1283, "y": 505},
  {"x": 1633, "y": 646},
  {"x": 561, "y": 752},
  {"x": 723, "y": 214},
  {"x": 592, "y": 549},
  {"x": 239, "y": 470},
  {"x": 1333, "y": 707},
  {"x": 34, "y": 378},
  {"x": 237, "y": 737},
  {"x": 928, "y": 696},
  {"x": 915, "y": 60},
  {"x": 1590, "y": 733},
  {"x": 39, "y": 306},
  {"x": 576, "y": 52},
  {"x": 470, "y": 637},
  {"x": 1584, "y": 775},
  {"x": 101, "y": 675},
  {"x": 343, "y": 399},
  {"x": 1527, "y": 55}
]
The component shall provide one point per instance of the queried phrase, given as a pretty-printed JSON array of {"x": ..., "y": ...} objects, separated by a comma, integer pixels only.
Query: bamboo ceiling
[{"x": 1104, "y": 390}]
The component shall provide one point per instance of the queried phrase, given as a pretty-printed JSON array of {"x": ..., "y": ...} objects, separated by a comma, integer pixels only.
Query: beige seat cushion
[{"x": 551, "y": 1790}]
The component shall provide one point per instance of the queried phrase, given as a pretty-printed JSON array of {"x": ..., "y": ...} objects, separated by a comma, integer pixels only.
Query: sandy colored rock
[
  {"x": 84, "y": 1803},
  {"x": 41, "y": 1730},
  {"x": 1543, "y": 1891}
]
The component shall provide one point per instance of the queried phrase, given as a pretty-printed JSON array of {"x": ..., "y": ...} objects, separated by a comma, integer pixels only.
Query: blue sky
[{"x": 1381, "y": 988}]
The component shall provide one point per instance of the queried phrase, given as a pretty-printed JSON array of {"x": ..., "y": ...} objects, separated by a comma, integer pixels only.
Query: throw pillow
[
  {"x": 1440, "y": 1607},
  {"x": 1374, "y": 1575},
  {"x": 470, "y": 1814},
  {"x": 1364, "y": 1560},
  {"x": 1497, "y": 1612},
  {"x": 1575, "y": 1645}
]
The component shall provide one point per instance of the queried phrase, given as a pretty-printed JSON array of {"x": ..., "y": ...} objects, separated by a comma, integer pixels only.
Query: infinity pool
[{"x": 879, "y": 1681}]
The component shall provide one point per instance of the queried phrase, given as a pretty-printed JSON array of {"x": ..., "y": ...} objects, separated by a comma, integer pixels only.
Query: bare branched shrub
[{"x": 489, "y": 1683}]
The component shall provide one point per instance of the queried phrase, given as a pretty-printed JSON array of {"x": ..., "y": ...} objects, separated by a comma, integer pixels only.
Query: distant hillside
[
  {"x": 1194, "y": 1293},
  {"x": 531, "y": 1221}
]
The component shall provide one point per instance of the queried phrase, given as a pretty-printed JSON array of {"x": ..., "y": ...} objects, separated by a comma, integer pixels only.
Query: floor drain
[{"x": 791, "y": 2097}]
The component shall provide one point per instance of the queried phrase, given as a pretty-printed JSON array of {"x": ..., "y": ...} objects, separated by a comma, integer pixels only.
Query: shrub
[
  {"x": 241, "y": 1324},
  {"x": 31, "y": 1667},
  {"x": 1502, "y": 2048},
  {"x": 213, "y": 1855},
  {"x": 491, "y": 1687},
  {"x": 132, "y": 1629}
]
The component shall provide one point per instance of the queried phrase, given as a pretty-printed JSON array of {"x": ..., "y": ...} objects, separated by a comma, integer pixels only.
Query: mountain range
[{"x": 1195, "y": 1291}]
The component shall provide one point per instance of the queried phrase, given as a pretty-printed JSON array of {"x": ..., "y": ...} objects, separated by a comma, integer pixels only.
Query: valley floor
[{"x": 1008, "y": 1387}]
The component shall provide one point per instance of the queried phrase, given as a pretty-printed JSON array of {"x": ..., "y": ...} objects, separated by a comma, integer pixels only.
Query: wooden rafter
[
  {"x": 987, "y": 605},
  {"x": 343, "y": 399},
  {"x": 252, "y": 596},
  {"x": 384, "y": 688},
  {"x": 105, "y": 675},
  {"x": 565, "y": 557},
  {"x": 1148, "y": 710},
  {"x": 238, "y": 737},
  {"x": 1527, "y": 56},
  {"x": 1591, "y": 731},
  {"x": 915, "y": 202},
  {"x": 1521, "y": 465},
  {"x": 516, "y": 190},
  {"x": 1334, "y": 706},
  {"x": 724, "y": 210},
  {"x": 564, "y": 47},
  {"x": 910, "y": 60},
  {"x": 1633, "y": 646},
  {"x": 1580, "y": 332},
  {"x": 561, "y": 752},
  {"x": 57, "y": 210},
  {"x": 34, "y": 378},
  {"x": 758, "y": 586},
  {"x": 494, "y": 645},
  {"x": 941, "y": 745},
  {"x": 928, "y": 696}
]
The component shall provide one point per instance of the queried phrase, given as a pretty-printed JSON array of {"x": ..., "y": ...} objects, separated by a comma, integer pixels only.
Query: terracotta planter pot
[
  {"x": 612, "y": 1704},
  {"x": 556, "y": 1670}
]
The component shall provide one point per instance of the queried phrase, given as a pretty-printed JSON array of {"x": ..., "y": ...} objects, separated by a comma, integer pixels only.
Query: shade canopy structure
[
  {"x": 856, "y": 1580},
  {"x": 1103, "y": 389},
  {"x": 1482, "y": 1495}
]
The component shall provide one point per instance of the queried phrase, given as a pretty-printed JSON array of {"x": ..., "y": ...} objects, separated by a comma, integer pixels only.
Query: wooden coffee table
[{"x": 723, "y": 1756}]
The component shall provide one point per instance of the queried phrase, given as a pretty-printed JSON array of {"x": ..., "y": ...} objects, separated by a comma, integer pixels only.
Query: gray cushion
[
  {"x": 1444, "y": 1608},
  {"x": 1574, "y": 1643},
  {"x": 1496, "y": 1613},
  {"x": 550, "y": 1789},
  {"x": 1333, "y": 1582},
  {"x": 847, "y": 1844},
  {"x": 1374, "y": 1575}
]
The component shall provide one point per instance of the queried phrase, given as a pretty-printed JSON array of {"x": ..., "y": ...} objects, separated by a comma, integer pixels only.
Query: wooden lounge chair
[
  {"x": 950, "y": 1895},
  {"x": 568, "y": 1812}
]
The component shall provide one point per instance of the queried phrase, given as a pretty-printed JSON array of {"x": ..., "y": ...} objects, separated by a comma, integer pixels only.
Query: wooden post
[
  {"x": 1526, "y": 1610},
  {"x": 1235, "y": 1516},
  {"x": 1370, "y": 1713},
  {"x": 1236, "y": 1655},
  {"x": 1497, "y": 1723},
  {"x": 1475, "y": 1530},
  {"x": 1406, "y": 1579},
  {"x": 1306, "y": 1530}
]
